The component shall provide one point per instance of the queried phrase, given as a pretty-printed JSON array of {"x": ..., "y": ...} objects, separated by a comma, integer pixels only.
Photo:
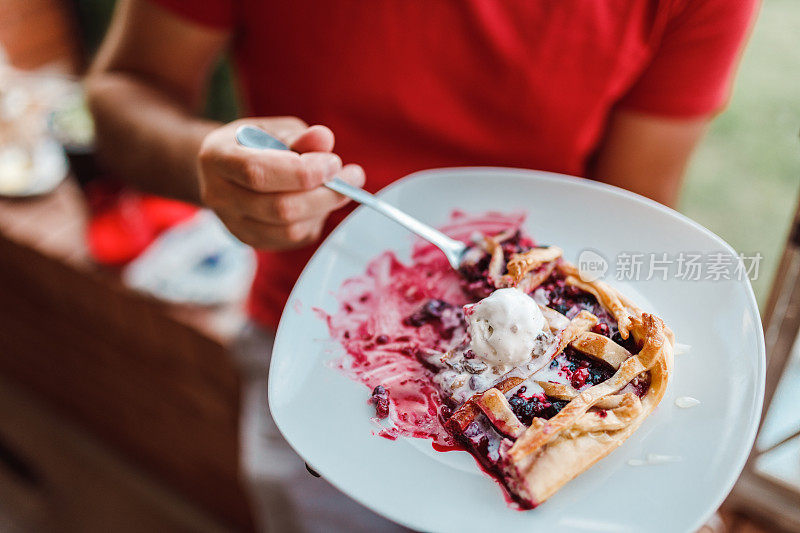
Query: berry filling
[
  {"x": 629, "y": 344},
  {"x": 475, "y": 276},
  {"x": 536, "y": 406},
  {"x": 641, "y": 384},
  {"x": 444, "y": 317},
  {"x": 570, "y": 300},
  {"x": 581, "y": 370},
  {"x": 380, "y": 399}
]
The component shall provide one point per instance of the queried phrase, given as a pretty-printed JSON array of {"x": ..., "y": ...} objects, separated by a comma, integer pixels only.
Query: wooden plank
[
  {"x": 782, "y": 314},
  {"x": 159, "y": 386},
  {"x": 78, "y": 484},
  {"x": 753, "y": 494}
]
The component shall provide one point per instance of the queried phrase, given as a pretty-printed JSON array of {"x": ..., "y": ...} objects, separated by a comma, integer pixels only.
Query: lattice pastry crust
[{"x": 538, "y": 460}]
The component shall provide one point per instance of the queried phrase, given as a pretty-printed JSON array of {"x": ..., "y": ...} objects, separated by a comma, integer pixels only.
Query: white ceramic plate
[{"x": 325, "y": 417}]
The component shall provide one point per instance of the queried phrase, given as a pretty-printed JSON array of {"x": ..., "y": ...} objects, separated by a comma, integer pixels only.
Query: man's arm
[
  {"x": 647, "y": 154},
  {"x": 658, "y": 122},
  {"x": 144, "y": 89}
]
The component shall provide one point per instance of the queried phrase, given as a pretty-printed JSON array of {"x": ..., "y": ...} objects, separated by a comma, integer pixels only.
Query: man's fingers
[
  {"x": 313, "y": 139},
  {"x": 271, "y": 170},
  {"x": 280, "y": 208},
  {"x": 354, "y": 175},
  {"x": 270, "y": 236},
  {"x": 273, "y": 199},
  {"x": 286, "y": 129},
  {"x": 294, "y": 133},
  {"x": 274, "y": 208},
  {"x": 314, "y": 204}
]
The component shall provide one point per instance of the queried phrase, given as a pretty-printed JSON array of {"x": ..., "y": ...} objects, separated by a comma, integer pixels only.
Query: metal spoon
[{"x": 454, "y": 250}]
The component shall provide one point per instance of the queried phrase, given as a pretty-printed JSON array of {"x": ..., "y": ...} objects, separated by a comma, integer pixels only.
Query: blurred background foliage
[{"x": 744, "y": 179}]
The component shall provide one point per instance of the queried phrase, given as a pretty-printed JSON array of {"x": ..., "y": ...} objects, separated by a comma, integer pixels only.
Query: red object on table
[{"x": 124, "y": 222}]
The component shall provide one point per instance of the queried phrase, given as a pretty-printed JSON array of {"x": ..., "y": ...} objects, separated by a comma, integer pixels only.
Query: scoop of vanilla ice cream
[{"x": 504, "y": 327}]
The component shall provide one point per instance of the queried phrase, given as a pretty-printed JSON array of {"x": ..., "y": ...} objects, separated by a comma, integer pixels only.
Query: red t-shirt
[{"x": 407, "y": 85}]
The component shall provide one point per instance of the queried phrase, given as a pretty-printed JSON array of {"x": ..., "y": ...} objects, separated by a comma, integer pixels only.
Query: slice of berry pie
[{"x": 515, "y": 358}]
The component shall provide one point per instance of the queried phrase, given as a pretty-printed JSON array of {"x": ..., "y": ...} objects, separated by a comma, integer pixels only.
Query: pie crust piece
[{"x": 539, "y": 459}]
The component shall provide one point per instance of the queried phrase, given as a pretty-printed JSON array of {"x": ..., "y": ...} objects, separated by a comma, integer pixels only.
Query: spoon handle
[
  {"x": 404, "y": 219},
  {"x": 253, "y": 137}
]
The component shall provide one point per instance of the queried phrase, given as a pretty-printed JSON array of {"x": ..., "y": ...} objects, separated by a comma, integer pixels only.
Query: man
[{"x": 615, "y": 90}]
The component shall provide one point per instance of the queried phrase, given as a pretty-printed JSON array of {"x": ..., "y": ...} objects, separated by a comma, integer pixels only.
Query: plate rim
[{"x": 569, "y": 180}]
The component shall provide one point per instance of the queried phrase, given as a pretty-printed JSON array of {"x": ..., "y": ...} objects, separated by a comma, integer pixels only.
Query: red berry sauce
[{"x": 396, "y": 311}]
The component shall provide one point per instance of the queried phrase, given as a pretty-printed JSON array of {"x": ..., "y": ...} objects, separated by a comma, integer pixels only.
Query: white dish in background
[
  {"x": 31, "y": 171},
  {"x": 325, "y": 416},
  {"x": 194, "y": 262}
]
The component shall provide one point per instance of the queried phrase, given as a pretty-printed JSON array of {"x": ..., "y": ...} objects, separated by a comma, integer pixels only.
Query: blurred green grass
[{"x": 744, "y": 179}]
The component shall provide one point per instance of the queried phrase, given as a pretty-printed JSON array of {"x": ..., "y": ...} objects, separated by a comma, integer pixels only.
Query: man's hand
[{"x": 273, "y": 199}]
